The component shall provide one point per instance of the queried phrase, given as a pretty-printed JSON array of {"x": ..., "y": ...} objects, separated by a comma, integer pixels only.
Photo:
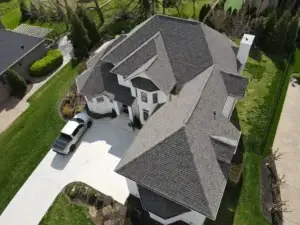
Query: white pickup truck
[{"x": 71, "y": 133}]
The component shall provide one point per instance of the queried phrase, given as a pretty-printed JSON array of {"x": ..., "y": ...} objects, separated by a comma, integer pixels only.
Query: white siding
[
  {"x": 192, "y": 218},
  {"x": 149, "y": 105},
  {"x": 132, "y": 187},
  {"x": 100, "y": 107}
]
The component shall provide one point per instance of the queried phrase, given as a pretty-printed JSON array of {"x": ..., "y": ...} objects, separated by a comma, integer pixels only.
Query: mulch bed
[{"x": 268, "y": 174}]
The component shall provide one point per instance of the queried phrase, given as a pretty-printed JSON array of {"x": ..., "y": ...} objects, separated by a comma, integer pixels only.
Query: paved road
[
  {"x": 12, "y": 108},
  {"x": 93, "y": 163},
  {"x": 287, "y": 139}
]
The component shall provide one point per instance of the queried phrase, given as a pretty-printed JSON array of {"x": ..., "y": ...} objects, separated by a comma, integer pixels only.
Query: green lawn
[
  {"x": 62, "y": 212},
  {"x": 254, "y": 112},
  {"x": 25, "y": 143},
  {"x": 295, "y": 68}
]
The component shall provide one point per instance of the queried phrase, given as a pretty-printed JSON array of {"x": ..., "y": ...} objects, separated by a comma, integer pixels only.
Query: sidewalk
[
  {"x": 13, "y": 108},
  {"x": 288, "y": 142}
]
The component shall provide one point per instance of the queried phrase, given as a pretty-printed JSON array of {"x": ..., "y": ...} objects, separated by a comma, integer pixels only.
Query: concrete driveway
[
  {"x": 93, "y": 163},
  {"x": 287, "y": 139}
]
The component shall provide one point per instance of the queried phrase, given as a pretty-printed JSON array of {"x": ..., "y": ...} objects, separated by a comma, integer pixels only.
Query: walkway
[
  {"x": 13, "y": 108},
  {"x": 93, "y": 163},
  {"x": 287, "y": 139}
]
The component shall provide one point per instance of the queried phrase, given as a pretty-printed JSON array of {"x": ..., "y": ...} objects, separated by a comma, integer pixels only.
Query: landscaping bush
[
  {"x": 297, "y": 77},
  {"x": 16, "y": 83},
  {"x": 67, "y": 111},
  {"x": 49, "y": 63}
]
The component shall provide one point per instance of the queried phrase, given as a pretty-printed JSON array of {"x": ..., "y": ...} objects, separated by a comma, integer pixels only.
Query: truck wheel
[
  {"x": 89, "y": 124},
  {"x": 72, "y": 148}
]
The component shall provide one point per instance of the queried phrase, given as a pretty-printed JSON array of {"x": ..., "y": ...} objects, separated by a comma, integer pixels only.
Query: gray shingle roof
[
  {"x": 159, "y": 205},
  {"x": 175, "y": 149},
  {"x": 144, "y": 84},
  {"x": 101, "y": 80},
  {"x": 14, "y": 46},
  {"x": 136, "y": 59},
  {"x": 34, "y": 31},
  {"x": 235, "y": 84}
]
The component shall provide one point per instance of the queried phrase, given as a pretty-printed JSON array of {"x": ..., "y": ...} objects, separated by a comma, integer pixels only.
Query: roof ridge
[{"x": 193, "y": 107}]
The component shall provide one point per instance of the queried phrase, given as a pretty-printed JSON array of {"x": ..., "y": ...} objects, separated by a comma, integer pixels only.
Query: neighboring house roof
[
  {"x": 34, "y": 31},
  {"x": 160, "y": 206},
  {"x": 184, "y": 150},
  {"x": 144, "y": 84},
  {"x": 14, "y": 46}
]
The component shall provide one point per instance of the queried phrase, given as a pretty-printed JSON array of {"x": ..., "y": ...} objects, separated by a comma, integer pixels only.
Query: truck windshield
[{"x": 78, "y": 120}]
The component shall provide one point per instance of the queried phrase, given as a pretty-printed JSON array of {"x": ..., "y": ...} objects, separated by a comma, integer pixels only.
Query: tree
[
  {"x": 52, "y": 14},
  {"x": 292, "y": 35},
  {"x": 24, "y": 10},
  {"x": 281, "y": 29},
  {"x": 16, "y": 83},
  {"x": 89, "y": 25},
  {"x": 259, "y": 28},
  {"x": 268, "y": 33},
  {"x": 34, "y": 12},
  {"x": 204, "y": 11},
  {"x": 79, "y": 37},
  {"x": 42, "y": 13}
]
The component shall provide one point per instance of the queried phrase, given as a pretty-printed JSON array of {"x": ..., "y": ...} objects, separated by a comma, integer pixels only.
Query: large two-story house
[{"x": 181, "y": 79}]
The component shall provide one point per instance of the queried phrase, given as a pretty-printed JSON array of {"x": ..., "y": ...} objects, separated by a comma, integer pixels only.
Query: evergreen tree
[
  {"x": 292, "y": 35},
  {"x": 60, "y": 13},
  {"x": 89, "y": 25},
  {"x": 34, "y": 13},
  {"x": 78, "y": 37},
  {"x": 280, "y": 34},
  {"x": 24, "y": 10},
  {"x": 42, "y": 13},
  {"x": 16, "y": 83},
  {"x": 203, "y": 12},
  {"x": 269, "y": 31},
  {"x": 259, "y": 29},
  {"x": 52, "y": 15}
]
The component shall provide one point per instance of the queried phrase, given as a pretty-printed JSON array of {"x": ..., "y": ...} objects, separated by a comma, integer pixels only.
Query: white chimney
[{"x": 244, "y": 49}]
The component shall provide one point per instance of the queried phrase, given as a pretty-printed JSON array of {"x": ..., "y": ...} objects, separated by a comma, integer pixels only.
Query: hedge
[{"x": 49, "y": 63}]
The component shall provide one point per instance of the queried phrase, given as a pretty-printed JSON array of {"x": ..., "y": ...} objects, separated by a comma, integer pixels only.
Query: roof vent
[
  {"x": 215, "y": 113},
  {"x": 22, "y": 46}
]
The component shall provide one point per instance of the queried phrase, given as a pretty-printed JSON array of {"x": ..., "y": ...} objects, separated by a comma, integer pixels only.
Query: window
[
  {"x": 75, "y": 132},
  {"x": 100, "y": 99},
  {"x": 144, "y": 96},
  {"x": 145, "y": 114},
  {"x": 155, "y": 98}
]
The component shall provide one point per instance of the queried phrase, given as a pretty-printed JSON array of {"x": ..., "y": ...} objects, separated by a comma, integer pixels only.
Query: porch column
[
  {"x": 130, "y": 113},
  {"x": 116, "y": 107}
]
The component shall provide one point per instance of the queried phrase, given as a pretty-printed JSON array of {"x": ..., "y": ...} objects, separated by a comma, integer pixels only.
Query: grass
[
  {"x": 254, "y": 112},
  {"x": 233, "y": 4},
  {"x": 27, "y": 140},
  {"x": 295, "y": 68},
  {"x": 62, "y": 212}
]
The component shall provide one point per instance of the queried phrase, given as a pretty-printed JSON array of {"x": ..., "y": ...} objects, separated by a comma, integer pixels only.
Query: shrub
[
  {"x": 137, "y": 123},
  {"x": 113, "y": 114},
  {"x": 44, "y": 66},
  {"x": 297, "y": 76},
  {"x": 16, "y": 83},
  {"x": 67, "y": 111}
]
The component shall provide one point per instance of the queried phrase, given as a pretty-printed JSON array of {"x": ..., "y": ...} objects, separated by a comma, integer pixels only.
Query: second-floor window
[
  {"x": 144, "y": 96},
  {"x": 154, "y": 98}
]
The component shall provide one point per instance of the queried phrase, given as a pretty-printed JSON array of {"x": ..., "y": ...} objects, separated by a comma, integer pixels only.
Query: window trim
[
  {"x": 144, "y": 97},
  {"x": 155, "y": 98}
]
